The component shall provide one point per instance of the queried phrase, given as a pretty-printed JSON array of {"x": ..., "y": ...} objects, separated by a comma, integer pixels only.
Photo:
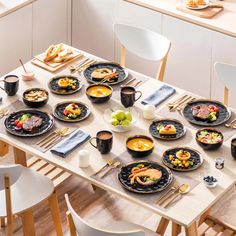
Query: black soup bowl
[
  {"x": 202, "y": 138},
  {"x": 99, "y": 93},
  {"x": 35, "y": 97},
  {"x": 139, "y": 146}
]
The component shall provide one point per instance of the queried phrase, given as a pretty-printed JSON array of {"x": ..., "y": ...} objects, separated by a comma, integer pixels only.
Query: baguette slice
[
  {"x": 53, "y": 51},
  {"x": 64, "y": 55}
]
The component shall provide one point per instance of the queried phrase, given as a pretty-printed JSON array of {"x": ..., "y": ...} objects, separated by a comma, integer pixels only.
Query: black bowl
[
  {"x": 208, "y": 146},
  {"x": 134, "y": 153},
  {"x": 35, "y": 104},
  {"x": 95, "y": 99}
]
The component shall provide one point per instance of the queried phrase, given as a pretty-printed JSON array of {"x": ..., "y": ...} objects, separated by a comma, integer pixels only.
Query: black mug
[
  {"x": 104, "y": 140},
  {"x": 128, "y": 96},
  {"x": 11, "y": 84},
  {"x": 233, "y": 148}
]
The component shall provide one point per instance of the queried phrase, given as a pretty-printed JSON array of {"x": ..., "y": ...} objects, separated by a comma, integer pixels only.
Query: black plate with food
[
  {"x": 71, "y": 111},
  {"x": 167, "y": 129},
  {"x": 144, "y": 177},
  {"x": 28, "y": 123},
  {"x": 64, "y": 84},
  {"x": 105, "y": 72},
  {"x": 206, "y": 112},
  {"x": 182, "y": 159}
]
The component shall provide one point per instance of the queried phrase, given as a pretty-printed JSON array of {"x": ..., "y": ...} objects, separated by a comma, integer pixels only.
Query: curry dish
[
  {"x": 98, "y": 91},
  {"x": 140, "y": 144}
]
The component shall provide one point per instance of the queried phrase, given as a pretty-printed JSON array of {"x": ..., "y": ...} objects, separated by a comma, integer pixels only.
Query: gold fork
[
  {"x": 109, "y": 163},
  {"x": 115, "y": 165}
]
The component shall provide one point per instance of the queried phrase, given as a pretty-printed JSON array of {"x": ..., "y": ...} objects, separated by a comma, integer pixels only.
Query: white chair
[
  {"x": 227, "y": 74},
  {"x": 118, "y": 228},
  {"x": 20, "y": 190},
  {"x": 144, "y": 43}
]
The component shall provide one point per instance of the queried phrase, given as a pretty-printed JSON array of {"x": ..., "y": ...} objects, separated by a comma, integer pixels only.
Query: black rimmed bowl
[
  {"x": 99, "y": 99},
  {"x": 209, "y": 146},
  {"x": 139, "y": 153},
  {"x": 35, "y": 103}
]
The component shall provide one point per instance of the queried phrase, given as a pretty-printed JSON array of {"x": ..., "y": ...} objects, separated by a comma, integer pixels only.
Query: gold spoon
[
  {"x": 184, "y": 188},
  {"x": 115, "y": 165}
]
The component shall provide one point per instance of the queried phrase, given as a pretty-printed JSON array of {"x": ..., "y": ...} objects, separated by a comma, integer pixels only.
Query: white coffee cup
[
  {"x": 83, "y": 156},
  {"x": 149, "y": 112}
]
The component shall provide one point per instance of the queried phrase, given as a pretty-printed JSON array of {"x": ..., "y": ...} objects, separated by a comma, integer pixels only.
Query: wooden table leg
[
  {"x": 20, "y": 157},
  {"x": 4, "y": 148},
  {"x": 204, "y": 216},
  {"x": 28, "y": 223},
  {"x": 176, "y": 229},
  {"x": 161, "y": 229},
  {"x": 53, "y": 204},
  {"x": 3, "y": 222},
  {"x": 191, "y": 230}
]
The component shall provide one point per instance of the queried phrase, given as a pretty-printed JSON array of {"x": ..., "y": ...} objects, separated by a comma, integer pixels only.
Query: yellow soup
[
  {"x": 140, "y": 144},
  {"x": 98, "y": 91}
]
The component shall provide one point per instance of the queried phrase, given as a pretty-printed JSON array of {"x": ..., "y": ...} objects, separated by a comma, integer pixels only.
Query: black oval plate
[
  {"x": 45, "y": 127},
  {"x": 224, "y": 113},
  {"x": 180, "y": 129},
  {"x": 59, "y": 108},
  {"x": 163, "y": 183},
  {"x": 55, "y": 88},
  {"x": 123, "y": 73},
  {"x": 195, "y": 157}
]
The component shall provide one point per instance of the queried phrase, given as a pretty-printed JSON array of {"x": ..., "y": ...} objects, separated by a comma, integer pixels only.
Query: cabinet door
[
  {"x": 15, "y": 40},
  {"x": 130, "y": 14},
  {"x": 50, "y": 23},
  {"x": 189, "y": 61},
  {"x": 223, "y": 50},
  {"x": 92, "y": 27}
]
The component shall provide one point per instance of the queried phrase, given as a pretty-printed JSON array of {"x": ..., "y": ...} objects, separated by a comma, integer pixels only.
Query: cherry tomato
[
  {"x": 19, "y": 125},
  {"x": 16, "y": 122}
]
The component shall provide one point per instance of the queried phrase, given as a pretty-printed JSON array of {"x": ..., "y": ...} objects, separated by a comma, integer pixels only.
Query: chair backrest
[
  {"x": 143, "y": 43},
  {"x": 13, "y": 172},
  {"x": 84, "y": 229},
  {"x": 227, "y": 74}
]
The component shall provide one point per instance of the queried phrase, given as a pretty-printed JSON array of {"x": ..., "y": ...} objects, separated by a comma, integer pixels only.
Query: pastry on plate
[
  {"x": 101, "y": 73},
  {"x": 191, "y": 3},
  {"x": 167, "y": 130},
  {"x": 200, "y": 2},
  {"x": 53, "y": 52}
]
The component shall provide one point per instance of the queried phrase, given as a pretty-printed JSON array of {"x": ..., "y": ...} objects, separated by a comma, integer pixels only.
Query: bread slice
[{"x": 53, "y": 52}]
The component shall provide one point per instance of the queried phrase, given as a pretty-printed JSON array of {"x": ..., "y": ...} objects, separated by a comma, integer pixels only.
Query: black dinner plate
[
  {"x": 47, "y": 123},
  {"x": 180, "y": 129},
  {"x": 123, "y": 73},
  {"x": 59, "y": 109},
  {"x": 55, "y": 88},
  {"x": 224, "y": 113},
  {"x": 195, "y": 157},
  {"x": 163, "y": 183}
]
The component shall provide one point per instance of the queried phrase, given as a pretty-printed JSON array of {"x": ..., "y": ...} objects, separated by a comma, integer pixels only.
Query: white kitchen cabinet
[
  {"x": 134, "y": 15},
  {"x": 15, "y": 40},
  {"x": 223, "y": 50},
  {"x": 92, "y": 22},
  {"x": 189, "y": 62},
  {"x": 51, "y": 23}
]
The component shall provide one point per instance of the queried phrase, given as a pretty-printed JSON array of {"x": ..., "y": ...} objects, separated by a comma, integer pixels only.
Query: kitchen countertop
[
  {"x": 224, "y": 22},
  {"x": 9, "y": 6}
]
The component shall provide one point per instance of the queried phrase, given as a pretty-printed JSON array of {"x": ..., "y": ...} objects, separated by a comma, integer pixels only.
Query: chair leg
[
  {"x": 54, "y": 207},
  {"x": 176, "y": 229},
  {"x": 162, "y": 67},
  {"x": 191, "y": 230},
  {"x": 28, "y": 223},
  {"x": 161, "y": 229},
  {"x": 3, "y": 222},
  {"x": 204, "y": 216},
  {"x": 4, "y": 148},
  {"x": 123, "y": 56},
  {"x": 71, "y": 224}
]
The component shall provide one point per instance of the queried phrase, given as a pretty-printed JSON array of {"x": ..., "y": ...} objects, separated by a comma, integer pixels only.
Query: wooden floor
[{"x": 99, "y": 208}]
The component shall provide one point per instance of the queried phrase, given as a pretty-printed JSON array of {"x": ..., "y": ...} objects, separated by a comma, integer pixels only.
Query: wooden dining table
[{"x": 188, "y": 209}]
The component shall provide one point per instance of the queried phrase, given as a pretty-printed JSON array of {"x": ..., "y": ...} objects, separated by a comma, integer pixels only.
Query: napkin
[
  {"x": 70, "y": 143},
  {"x": 159, "y": 95}
]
